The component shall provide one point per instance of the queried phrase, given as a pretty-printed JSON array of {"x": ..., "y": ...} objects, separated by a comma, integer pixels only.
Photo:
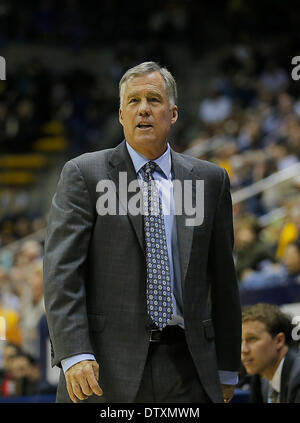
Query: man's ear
[
  {"x": 280, "y": 340},
  {"x": 120, "y": 116},
  {"x": 174, "y": 114}
]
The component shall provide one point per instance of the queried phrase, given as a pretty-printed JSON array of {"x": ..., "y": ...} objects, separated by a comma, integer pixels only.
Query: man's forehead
[
  {"x": 149, "y": 81},
  {"x": 254, "y": 326}
]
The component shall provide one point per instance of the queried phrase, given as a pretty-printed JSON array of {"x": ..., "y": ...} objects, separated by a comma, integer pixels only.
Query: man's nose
[
  {"x": 144, "y": 108},
  {"x": 245, "y": 348}
]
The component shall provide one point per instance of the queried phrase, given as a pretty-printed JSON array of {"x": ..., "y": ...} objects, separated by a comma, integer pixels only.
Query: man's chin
[
  {"x": 251, "y": 370},
  {"x": 149, "y": 140},
  {"x": 147, "y": 136}
]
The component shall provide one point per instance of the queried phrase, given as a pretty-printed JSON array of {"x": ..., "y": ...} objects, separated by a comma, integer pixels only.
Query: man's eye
[
  {"x": 153, "y": 99},
  {"x": 133, "y": 100}
]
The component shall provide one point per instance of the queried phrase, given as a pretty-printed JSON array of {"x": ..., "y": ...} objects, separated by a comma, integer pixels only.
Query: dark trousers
[{"x": 170, "y": 374}]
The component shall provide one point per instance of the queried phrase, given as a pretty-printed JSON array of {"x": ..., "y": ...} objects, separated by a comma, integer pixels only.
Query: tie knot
[{"x": 149, "y": 168}]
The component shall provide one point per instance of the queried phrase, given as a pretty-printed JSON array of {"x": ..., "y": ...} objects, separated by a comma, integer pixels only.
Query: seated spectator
[
  {"x": 25, "y": 371},
  {"x": 33, "y": 310},
  {"x": 30, "y": 251},
  {"x": 8, "y": 386},
  {"x": 12, "y": 324},
  {"x": 7, "y": 298},
  {"x": 290, "y": 231},
  {"x": 250, "y": 250},
  {"x": 291, "y": 260},
  {"x": 268, "y": 354},
  {"x": 269, "y": 275},
  {"x": 215, "y": 108},
  {"x": 274, "y": 79},
  {"x": 280, "y": 274},
  {"x": 26, "y": 374},
  {"x": 23, "y": 262}
]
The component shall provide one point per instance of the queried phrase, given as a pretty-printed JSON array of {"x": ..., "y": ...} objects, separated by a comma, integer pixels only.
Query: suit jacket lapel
[
  {"x": 183, "y": 170},
  {"x": 120, "y": 161},
  {"x": 285, "y": 374},
  {"x": 265, "y": 389}
]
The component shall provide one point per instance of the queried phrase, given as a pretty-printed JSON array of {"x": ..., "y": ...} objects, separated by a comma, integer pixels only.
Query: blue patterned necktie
[{"x": 159, "y": 297}]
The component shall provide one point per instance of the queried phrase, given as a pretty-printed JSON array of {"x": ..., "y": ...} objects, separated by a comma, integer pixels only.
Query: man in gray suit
[
  {"x": 269, "y": 355},
  {"x": 142, "y": 307}
]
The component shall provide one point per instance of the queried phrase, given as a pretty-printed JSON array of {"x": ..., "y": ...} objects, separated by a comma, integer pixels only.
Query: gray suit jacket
[
  {"x": 95, "y": 277},
  {"x": 289, "y": 383}
]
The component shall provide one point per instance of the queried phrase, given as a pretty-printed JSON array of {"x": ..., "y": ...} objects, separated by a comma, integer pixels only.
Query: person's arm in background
[{"x": 225, "y": 300}]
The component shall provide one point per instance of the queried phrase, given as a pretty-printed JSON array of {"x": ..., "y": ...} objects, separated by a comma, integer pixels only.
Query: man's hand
[
  {"x": 228, "y": 391},
  {"x": 82, "y": 380}
]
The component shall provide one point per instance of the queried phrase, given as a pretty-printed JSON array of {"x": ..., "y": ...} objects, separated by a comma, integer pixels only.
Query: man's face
[
  {"x": 245, "y": 237},
  {"x": 259, "y": 349},
  {"x": 145, "y": 113},
  {"x": 20, "y": 367},
  {"x": 36, "y": 285},
  {"x": 8, "y": 353},
  {"x": 291, "y": 259}
]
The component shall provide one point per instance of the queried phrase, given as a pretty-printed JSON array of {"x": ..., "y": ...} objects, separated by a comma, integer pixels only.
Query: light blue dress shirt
[{"x": 163, "y": 177}]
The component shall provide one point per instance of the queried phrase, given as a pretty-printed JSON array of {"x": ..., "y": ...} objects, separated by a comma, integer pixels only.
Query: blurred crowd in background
[{"x": 244, "y": 116}]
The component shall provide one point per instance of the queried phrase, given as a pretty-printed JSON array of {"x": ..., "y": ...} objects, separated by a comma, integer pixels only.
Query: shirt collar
[
  {"x": 276, "y": 380},
  {"x": 139, "y": 160}
]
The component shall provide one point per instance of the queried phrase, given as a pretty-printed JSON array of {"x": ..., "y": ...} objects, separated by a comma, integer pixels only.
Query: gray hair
[{"x": 148, "y": 67}]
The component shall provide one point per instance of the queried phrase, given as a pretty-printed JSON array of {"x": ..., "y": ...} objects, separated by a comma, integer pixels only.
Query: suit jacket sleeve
[
  {"x": 294, "y": 383},
  {"x": 297, "y": 395},
  {"x": 256, "y": 390},
  {"x": 69, "y": 230},
  {"x": 225, "y": 300}
]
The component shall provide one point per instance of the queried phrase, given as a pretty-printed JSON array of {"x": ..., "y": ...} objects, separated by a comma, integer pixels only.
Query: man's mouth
[
  {"x": 247, "y": 361},
  {"x": 144, "y": 126}
]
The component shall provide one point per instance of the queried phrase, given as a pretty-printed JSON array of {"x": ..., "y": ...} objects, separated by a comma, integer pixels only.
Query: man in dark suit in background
[
  {"x": 267, "y": 353},
  {"x": 148, "y": 300}
]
